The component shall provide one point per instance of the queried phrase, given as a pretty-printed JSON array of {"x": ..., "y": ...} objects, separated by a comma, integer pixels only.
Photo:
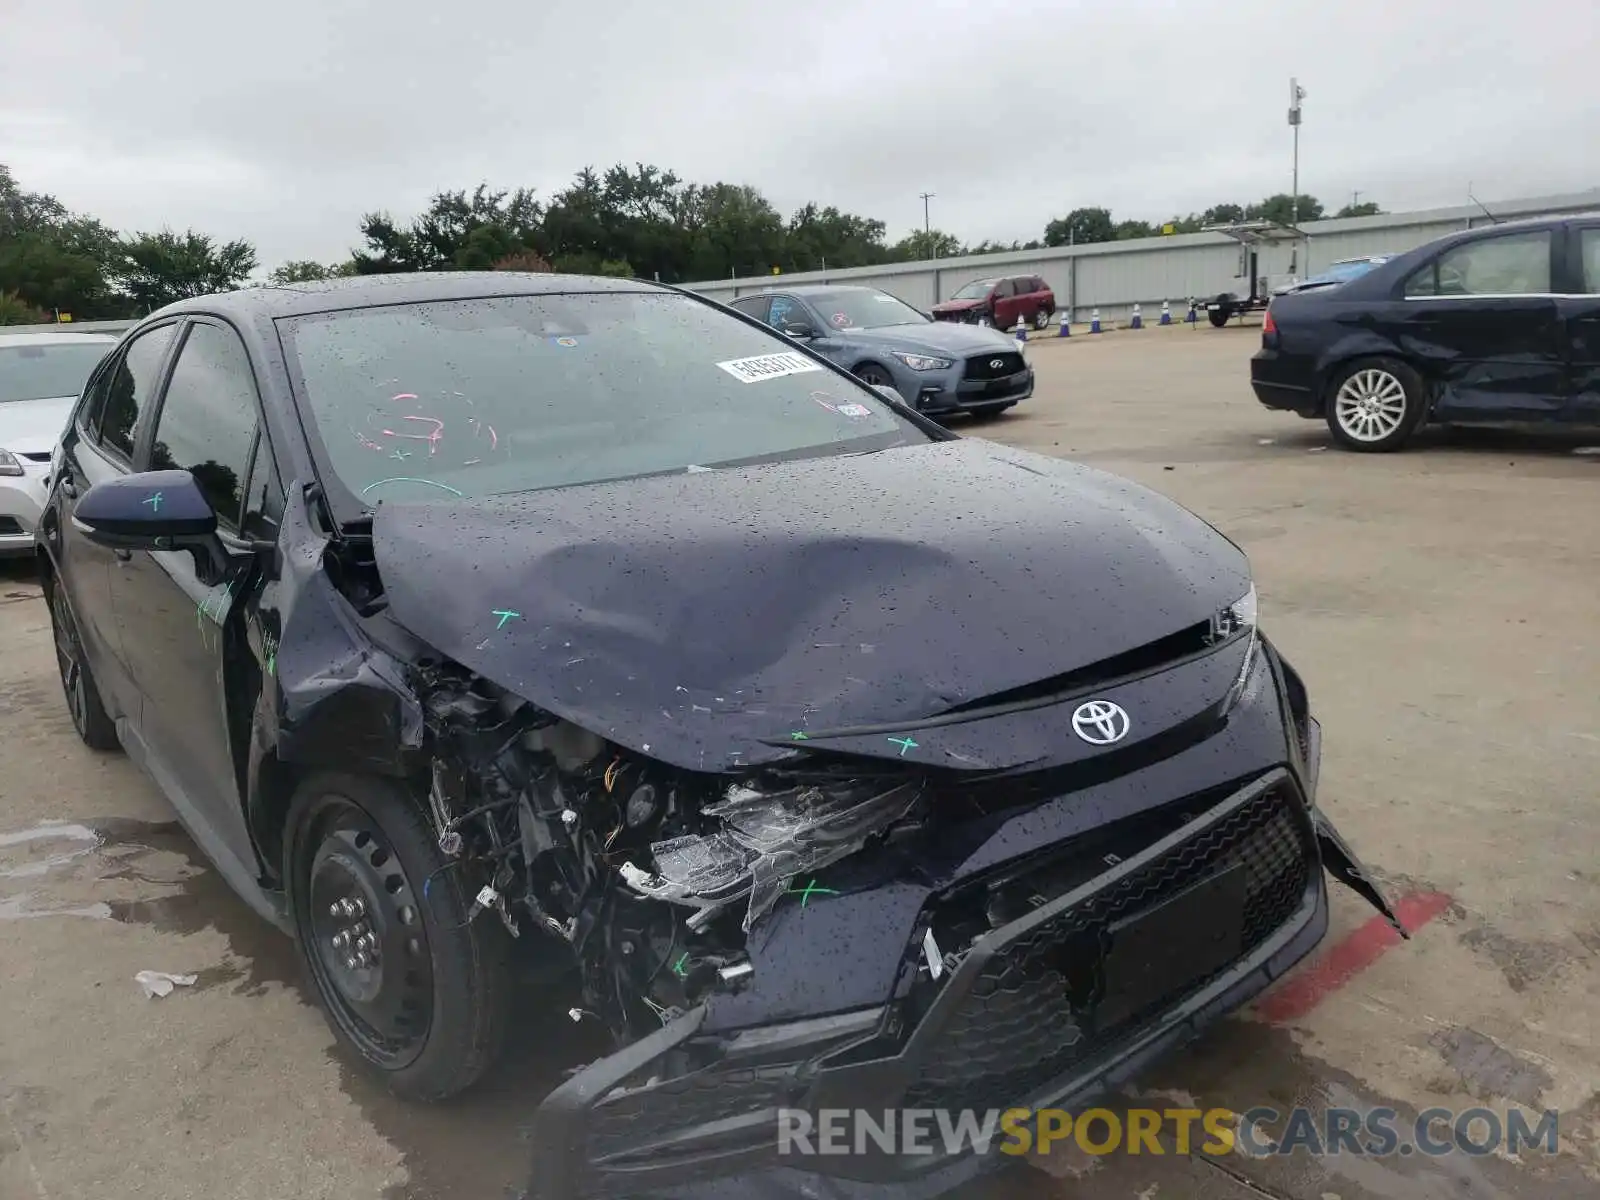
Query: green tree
[
  {"x": 1281, "y": 208},
  {"x": 51, "y": 260},
  {"x": 926, "y": 244},
  {"x": 1127, "y": 230},
  {"x": 156, "y": 269},
  {"x": 299, "y": 271},
  {"x": 14, "y": 310},
  {"x": 825, "y": 237},
  {"x": 1223, "y": 214},
  {"x": 1368, "y": 208},
  {"x": 1080, "y": 226}
]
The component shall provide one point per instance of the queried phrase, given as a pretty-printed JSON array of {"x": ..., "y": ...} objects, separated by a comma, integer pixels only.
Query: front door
[
  {"x": 1581, "y": 316},
  {"x": 98, "y": 445},
  {"x": 1483, "y": 322},
  {"x": 184, "y": 639}
]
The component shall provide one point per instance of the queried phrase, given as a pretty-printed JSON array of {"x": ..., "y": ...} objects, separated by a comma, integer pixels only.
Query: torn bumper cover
[{"x": 1060, "y": 1001}]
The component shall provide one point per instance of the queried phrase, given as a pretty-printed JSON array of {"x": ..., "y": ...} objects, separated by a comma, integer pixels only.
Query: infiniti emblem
[
  {"x": 997, "y": 363},
  {"x": 1100, "y": 722}
]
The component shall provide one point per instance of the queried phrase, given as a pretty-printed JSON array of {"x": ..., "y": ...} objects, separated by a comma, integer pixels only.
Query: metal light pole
[
  {"x": 927, "y": 226},
  {"x": 1296, "y": 94}
]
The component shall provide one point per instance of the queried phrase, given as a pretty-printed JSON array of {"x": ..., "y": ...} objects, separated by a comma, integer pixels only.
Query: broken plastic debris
[{"x": 159, "y": 983}]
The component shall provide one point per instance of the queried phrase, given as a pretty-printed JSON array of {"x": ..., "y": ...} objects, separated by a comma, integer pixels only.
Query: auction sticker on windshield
[{"x": 767, "y": 366}]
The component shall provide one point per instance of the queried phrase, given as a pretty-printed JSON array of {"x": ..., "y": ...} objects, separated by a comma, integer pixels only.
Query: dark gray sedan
[{"x": 938, "y": 367}]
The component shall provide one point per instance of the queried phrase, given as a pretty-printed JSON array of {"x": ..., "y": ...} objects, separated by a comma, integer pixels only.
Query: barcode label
[{"x": 767, "y": 366}]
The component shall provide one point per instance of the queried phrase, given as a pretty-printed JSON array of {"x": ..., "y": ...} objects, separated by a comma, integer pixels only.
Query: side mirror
[
  {"x": 802, "y": 330},
  {"x": 154, "y": 510}
]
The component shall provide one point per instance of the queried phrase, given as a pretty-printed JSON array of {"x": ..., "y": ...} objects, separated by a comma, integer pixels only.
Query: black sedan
[
  {"x": 841, "y": 761},
  {"x": 1499, "y": 324}
]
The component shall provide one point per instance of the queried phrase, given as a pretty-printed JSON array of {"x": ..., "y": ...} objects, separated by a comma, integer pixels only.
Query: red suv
[{"x": 999, "y": 302}]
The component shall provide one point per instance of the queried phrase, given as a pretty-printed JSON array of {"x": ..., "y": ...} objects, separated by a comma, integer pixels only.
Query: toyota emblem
[
  {"x": 996, "y": 363},
  {"x": 1100, "y": 722}
]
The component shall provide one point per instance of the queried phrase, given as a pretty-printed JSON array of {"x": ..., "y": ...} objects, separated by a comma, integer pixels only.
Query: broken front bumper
[{"x": 1041, "y": 1012}]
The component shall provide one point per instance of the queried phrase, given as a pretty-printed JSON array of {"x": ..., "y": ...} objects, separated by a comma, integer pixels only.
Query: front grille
[
  {"x": 983, "y": 366},
  {"x": 1031, "y": 1012},
  {"x": 633, "y": 1117}
]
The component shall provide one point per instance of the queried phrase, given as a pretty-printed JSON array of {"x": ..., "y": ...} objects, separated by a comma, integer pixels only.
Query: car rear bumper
[
  {"x": 1281, "y": 384},
  {"x": 1036, "y": 1014}
]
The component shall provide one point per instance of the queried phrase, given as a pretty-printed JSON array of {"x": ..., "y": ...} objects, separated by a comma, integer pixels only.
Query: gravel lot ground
[{"x": 1443, "y": 605}]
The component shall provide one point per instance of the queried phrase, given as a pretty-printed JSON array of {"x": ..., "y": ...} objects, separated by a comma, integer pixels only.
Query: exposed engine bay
[{"x": 652, "y": 876}]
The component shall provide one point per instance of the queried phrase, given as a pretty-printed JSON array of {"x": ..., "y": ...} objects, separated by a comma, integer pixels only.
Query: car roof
[
  {"x": 372, "y": 291},
  {"x": 56, "y": 339},
  {"x": 802, "y": 289}
]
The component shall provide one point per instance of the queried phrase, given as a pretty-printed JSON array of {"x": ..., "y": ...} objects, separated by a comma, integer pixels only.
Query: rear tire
[
  {"x": 1220, "y": 316},
  {"x": 427, "y": 1014},
  {"x": 1374, "y": 405},
  {"x": 97, "y": 730}
]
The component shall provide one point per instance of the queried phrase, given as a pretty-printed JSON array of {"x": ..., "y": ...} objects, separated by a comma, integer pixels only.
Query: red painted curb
[{"x": 1357, "y": 951}]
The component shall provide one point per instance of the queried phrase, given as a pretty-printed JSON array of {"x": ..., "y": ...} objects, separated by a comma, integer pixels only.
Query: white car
[{"x": 41, "y": 376}]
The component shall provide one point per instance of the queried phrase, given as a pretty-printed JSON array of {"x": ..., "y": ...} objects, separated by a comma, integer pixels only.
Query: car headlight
[
  {"x": 9, "y": 464},
  {"x": 1239, "y": 619},
  {"x": 923, "y": 362}
]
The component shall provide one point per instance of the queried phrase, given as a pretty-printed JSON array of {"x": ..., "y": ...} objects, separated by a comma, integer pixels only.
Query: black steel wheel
[
  {"x": 98, "y": 731},
  {"x": 410, "y": 985}
]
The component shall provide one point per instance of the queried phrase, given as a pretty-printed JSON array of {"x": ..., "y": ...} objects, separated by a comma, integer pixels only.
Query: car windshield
[
  {"x": 975, "y": 291},
  {"x": 49, "y": 371},
  {"x": 864, "y": 308},
  {"x": 507, "y": 394}
]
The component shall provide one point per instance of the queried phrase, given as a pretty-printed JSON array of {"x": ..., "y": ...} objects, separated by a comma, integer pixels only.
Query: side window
[
  {"x": 1039, "y": 285},
  {"x": 784, "y": 310},
  {"x": 263, "y": 505},
  {"x": 131, "y": 382},
  {"x": 1515, "y": 264},
  {"x": 1004, "y": 290},
  {"x": 92, "y": 407},
  {"x": 208, "y": 419},
  {"x": 1589, "y": 251},
  {"x": 755, "y": 306}
]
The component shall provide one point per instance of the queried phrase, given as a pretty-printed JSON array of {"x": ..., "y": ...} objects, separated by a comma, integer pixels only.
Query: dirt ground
[{"x": 1443, "y": 606}]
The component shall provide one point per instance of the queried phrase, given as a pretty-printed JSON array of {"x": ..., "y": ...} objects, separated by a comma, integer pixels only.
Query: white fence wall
[{"x": 1113, "y": 276}]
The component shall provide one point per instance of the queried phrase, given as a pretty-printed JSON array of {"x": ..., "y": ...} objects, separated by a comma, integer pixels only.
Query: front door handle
[{"x": 123, "y": 555}]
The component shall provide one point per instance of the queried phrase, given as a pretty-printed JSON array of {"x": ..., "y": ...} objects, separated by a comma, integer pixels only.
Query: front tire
[
  {"x": 416, "y": 993},
  {"x": 1041, "y": 319},
  {"x": 1220, "y": 316},
  {"x": 96, "y": 729},
  {"x": 1374, "y": 405}
]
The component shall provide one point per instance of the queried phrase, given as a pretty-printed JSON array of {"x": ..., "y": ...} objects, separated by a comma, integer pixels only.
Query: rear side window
[
  {"x": 1005, "y": 289},
  {"x": 208, "y": 419},
  {"x": 1511, "y": 265},
  {"x": 132, "y": 381},
  {"x": 1589, "y": 249},
  {"x": 755, "y": 307}
]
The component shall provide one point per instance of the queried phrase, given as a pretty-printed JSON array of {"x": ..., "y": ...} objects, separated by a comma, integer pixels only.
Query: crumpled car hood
[{"x": 691, "y": 617}]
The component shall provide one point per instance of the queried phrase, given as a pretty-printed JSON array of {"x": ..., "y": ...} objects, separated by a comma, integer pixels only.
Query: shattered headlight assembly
[
  {"x": 1239, "y": 619},
  {"x": 767, "y": 837},
  {"x": 923, "y": 362}
]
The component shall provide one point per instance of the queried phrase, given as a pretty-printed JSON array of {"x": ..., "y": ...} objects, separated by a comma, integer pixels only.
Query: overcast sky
[{"x": 282, "y": 122}]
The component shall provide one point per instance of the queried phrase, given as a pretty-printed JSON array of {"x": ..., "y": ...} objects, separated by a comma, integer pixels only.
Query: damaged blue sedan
[{"x": 470, "y": 620}]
